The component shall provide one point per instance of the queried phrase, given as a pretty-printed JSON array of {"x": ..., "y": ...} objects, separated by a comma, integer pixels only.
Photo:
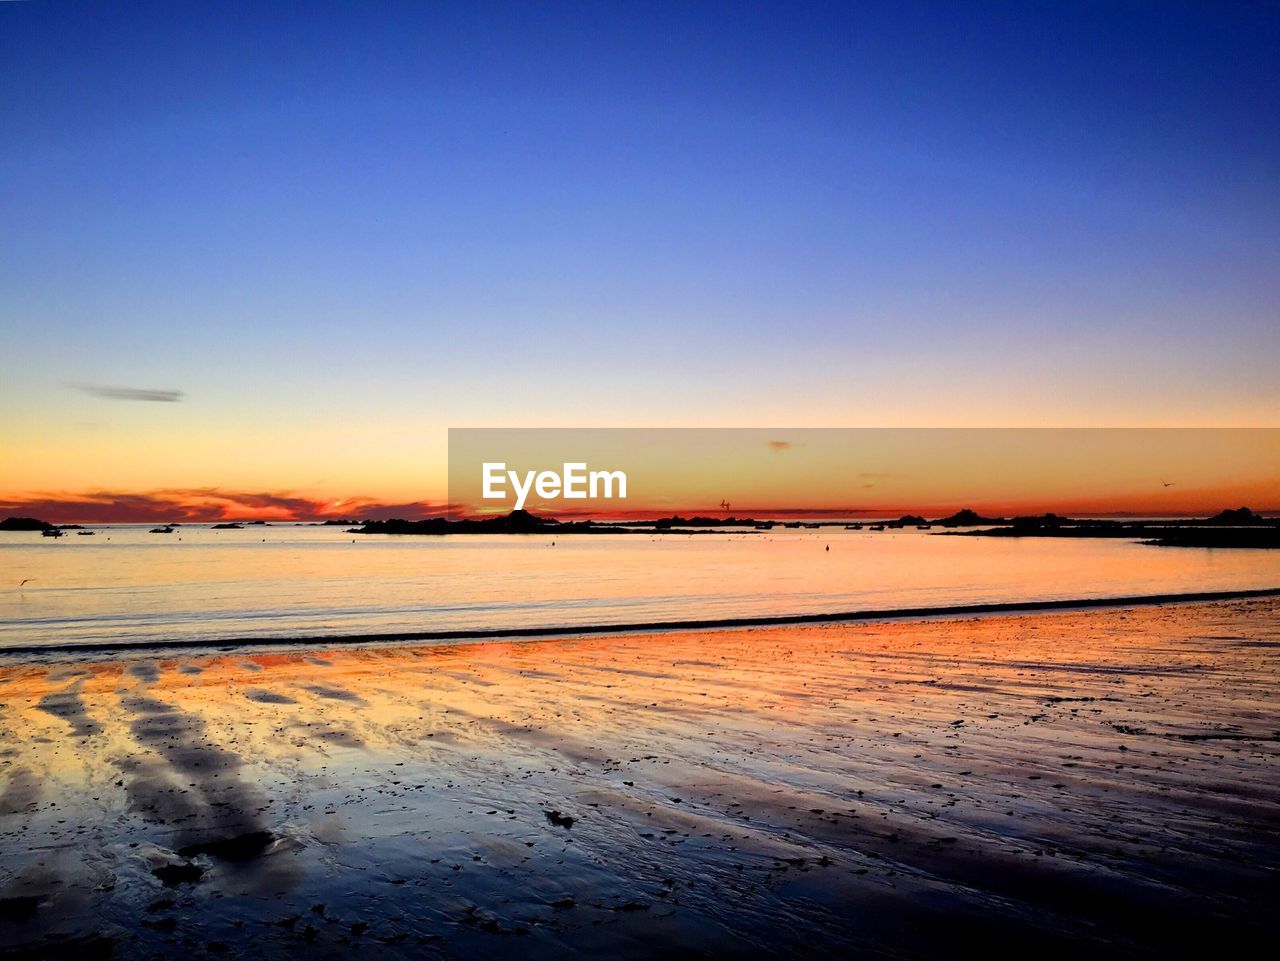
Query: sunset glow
[{"x": 616, "y": 481}]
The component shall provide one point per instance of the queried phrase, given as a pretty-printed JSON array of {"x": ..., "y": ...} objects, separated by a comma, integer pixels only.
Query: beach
[{"x": 1081, "y": 780}]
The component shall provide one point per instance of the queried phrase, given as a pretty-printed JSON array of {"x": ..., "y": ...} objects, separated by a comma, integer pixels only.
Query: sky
[
  {"x": 268, "y": 253},
  {"x": 865, "y": 472}
]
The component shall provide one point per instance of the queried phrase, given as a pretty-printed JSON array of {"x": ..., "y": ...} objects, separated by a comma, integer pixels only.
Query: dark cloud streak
[{"x": 130, "y": 393}]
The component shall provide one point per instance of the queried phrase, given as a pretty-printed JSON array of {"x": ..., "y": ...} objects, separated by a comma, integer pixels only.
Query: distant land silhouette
[
  {"x": 1240, "y": 527},
  {"x": 909, "y": 520},
  {"x": 1240, "y": 517},
  {"x": 1268, "y": 537},
  {"x": 24, "y": 524},
  {"x": 523, "y": 522},
  {"x": 1234, "y": 527},
  {"x": 968, "y": 518}
]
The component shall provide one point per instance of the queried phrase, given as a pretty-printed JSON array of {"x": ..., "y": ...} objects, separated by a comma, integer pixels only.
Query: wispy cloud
[
  {"x": 780, "y": 445},
  {"x": 870, "y": 479},
  {"x": 130, "y": 393}
]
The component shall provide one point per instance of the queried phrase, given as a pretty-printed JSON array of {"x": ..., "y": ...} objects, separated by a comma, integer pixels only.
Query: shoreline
[
  {"x": 1095, "y": 782},
  {"x": 709, "y": 624}
]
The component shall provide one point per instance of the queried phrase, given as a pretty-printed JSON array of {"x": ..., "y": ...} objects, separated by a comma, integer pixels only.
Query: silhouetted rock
[
  {"x": 698, "y": 520},
  {"x": 522, "y": 522},
  {"x": 1230, "y": 528},
  {"x": 908, "y": 520},
  {"x": 228, "y": 527},
  {"x": 162, "y": 530},
  {"x": 1240, "y": 517},
  {"x": 24, "y": 524},
  {"x": 1040, "y": 521},
  {"x": 968, "y": 518},
  {"x": 517, "y": 522},
  {"x": 1219, "y": 537}
]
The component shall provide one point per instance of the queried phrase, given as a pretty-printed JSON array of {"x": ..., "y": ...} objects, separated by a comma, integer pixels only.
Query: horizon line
[
  {"x": 641, "y": 515},
  {"x": 875, "y": 513}
]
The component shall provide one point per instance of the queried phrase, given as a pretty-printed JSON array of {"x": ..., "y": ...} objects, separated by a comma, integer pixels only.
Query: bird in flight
[
  {"x": 724, "y": 506},
  {"x": 1168, "y": 483},
  {"x": 24, "y": 580}
]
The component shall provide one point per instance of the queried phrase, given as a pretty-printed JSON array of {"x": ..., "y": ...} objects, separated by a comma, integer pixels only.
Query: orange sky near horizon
[
  {"x": 759, "y": 472},
  {"x": 887, "y": 471}
]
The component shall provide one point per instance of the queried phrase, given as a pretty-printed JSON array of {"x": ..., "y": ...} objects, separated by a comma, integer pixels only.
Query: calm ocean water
[{"x": 126, "y": 585}]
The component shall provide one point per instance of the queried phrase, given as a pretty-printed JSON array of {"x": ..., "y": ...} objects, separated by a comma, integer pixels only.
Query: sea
[{"x": 126, "y": 586}]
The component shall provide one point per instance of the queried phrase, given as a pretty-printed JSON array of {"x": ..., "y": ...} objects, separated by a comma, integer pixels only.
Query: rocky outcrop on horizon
[{"x": 24, "y": 524}]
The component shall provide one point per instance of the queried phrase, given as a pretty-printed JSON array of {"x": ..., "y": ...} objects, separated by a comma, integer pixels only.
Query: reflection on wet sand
[{"x": 1101, "y": 781}]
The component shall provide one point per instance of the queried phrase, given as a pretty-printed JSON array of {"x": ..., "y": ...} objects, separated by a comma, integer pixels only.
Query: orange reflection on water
[{"x": 130, "y": 586}]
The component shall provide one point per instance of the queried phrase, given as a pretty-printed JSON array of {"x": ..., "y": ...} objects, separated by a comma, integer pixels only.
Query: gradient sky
[
  {"x": 340, "y": 229},
  {"x": 764, "y": 472}
]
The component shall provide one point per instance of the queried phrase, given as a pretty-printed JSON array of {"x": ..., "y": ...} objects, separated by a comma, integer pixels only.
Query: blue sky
[{"x": 372, "y": 220}]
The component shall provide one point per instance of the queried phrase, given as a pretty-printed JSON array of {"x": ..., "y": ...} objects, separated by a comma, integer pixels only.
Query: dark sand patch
[
  {"x": 147, "y": 672},
  {"x": 20, "y": 794},
  {"x": 69, "y": 705},
  {"x": 267, "y": 697},
  {"x": 195, "y": 783},
  {"x": 334, "y": 693}
]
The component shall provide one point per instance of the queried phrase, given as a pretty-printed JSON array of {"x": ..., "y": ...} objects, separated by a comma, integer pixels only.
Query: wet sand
[{"x": 1102, "y": 781}]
